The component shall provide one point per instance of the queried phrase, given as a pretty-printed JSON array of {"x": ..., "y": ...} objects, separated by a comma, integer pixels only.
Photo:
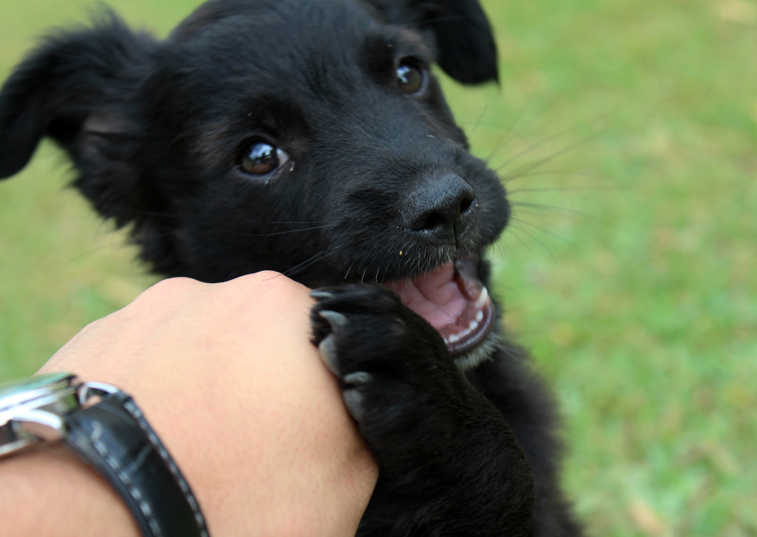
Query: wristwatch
[{"x": 108, "y": 431}]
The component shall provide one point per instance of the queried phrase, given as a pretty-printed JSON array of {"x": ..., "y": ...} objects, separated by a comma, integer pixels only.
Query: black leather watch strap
[{"x": 114, "y": 437}]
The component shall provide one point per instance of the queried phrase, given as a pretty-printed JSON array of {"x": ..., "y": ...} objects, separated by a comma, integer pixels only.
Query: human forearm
[{"x": 49, "y": 491}]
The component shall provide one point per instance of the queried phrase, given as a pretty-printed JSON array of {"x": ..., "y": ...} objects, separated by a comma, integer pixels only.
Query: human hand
[{"x": 228, "y": 378}]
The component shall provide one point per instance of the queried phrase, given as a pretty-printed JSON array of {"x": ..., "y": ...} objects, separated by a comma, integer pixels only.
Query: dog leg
[{"x": 449, "y": 464}]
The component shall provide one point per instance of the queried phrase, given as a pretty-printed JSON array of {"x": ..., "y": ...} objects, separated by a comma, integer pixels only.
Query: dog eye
[
  {"x": 260, "y": 158},
  {"x": 409, "y": 77}
]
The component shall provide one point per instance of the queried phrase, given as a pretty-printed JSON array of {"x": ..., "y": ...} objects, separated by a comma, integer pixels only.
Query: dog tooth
[
  {"x": 483, "y": 298},
  {"x": 479, "y": 316}
]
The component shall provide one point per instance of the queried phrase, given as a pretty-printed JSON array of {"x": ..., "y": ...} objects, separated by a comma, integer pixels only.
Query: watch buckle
[
  {"x": 37, "y": 424},
  {"x": 89, "y": 390},
  {"x": 44, "y": 422}
]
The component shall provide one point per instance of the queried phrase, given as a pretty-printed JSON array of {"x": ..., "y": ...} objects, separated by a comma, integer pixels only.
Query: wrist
[
  {"x": 49, "y": 491},
  {"x": 105, "y": 428}
]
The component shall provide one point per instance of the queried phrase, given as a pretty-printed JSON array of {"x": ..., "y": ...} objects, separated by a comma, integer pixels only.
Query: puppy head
[{"x": 308, "y": 137}]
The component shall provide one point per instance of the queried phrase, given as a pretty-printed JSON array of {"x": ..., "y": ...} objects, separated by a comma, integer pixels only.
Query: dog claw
[
  {"x": 353, "y": 400},
  {"x": 327, "y": 350},
  {"x": 358, "y": 378},
  {"x": 321, "y": 294},
  {"x": 335, "y": 319}
]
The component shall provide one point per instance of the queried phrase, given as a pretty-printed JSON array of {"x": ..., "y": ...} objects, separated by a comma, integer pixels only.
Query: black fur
[{"x": 157, "y": 131}]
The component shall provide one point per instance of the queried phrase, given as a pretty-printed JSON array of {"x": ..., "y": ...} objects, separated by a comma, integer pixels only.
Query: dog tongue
[
  {"x": 435, "y": 296},
  {"x": 454, "y": 301}
]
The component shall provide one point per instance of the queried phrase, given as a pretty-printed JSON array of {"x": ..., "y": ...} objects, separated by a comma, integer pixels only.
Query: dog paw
[
  {"x": 394, "y": 369},
  {"x": 364, "y": 326}
]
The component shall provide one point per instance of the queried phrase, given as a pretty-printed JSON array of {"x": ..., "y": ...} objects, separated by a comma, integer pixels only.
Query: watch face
[{"x": 19, "y": 392}]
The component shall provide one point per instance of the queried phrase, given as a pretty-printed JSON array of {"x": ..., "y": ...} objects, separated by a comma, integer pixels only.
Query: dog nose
[{"x": 440, "y": 207}]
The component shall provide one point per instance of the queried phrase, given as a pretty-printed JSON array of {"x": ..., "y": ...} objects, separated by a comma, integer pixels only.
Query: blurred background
[{"x": 626, "y": 132}]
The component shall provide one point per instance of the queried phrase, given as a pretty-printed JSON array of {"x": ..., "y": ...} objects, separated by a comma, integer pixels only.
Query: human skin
[{"x": 227, "y": 376}]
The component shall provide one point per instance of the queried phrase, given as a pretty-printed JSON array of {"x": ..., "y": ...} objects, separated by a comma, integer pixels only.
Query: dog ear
[
  {"x": 464, "y": 39},
  {"x": 72, "y": 80}
]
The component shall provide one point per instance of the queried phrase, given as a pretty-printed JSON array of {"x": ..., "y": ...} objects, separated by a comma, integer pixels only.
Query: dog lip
[{"x": 454, "y": 301}]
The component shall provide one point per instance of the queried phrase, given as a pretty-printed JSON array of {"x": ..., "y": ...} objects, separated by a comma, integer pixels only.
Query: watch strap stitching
[
  {"x": 114, "y": 436},
  {"x": 124, "y": 477},
  {"x": 132, "y": 408}
]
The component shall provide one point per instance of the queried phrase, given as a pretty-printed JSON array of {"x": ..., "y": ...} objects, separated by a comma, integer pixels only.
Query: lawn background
[{"x": 627, "y": 131}]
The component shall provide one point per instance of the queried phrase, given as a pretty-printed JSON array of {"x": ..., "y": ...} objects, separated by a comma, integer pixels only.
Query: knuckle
[
  {"x": 168, "y": 290},
  {"x": 174, "y": 285},
  {"x": 268, "y": 282}
]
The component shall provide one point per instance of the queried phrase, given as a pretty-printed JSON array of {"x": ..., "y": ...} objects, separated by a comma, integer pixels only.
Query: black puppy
[{"x": 310, "y": 137}]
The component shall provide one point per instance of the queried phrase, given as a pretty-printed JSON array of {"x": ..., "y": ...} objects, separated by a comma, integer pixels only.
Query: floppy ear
[
  {"x": 72, "y": 79},
  {"x": 464, "y": 39}
]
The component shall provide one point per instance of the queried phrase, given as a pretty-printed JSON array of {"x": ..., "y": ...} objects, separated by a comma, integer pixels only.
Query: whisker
[
  {"x": 556, "y": 209},
  {"x": 590, "y": 188},
  {"x": 511, "y": 131},
  {"x": 534, "y": 147},
  {"x": 480, "y": 117},
  {"x": 277, "y": 233},
  {"x": 523, "y": 170},
  {"x": 542, "y": 143},
  {"x": 140, "y": 211},
  {"x": 448, "y": 18},
  {"x": 301, "y": 266},
  {"x": 527, "y": 232},
  {"x": 545, "y": 231},
  {"x": 520, "y": 240},
  {"x": 320, "y": 256},
  {"x": 90, "y": 251},
  {"x": 297, "y": 223}
]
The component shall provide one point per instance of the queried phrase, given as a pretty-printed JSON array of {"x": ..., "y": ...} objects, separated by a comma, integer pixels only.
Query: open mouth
[{"x": 454, "y": 301}]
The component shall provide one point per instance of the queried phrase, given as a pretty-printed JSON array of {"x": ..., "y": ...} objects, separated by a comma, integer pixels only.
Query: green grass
[{"x": 637, "y": 293}]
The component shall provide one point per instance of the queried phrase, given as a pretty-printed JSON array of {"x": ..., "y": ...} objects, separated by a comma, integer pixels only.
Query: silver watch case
[{"x": 31, "y": 409}]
